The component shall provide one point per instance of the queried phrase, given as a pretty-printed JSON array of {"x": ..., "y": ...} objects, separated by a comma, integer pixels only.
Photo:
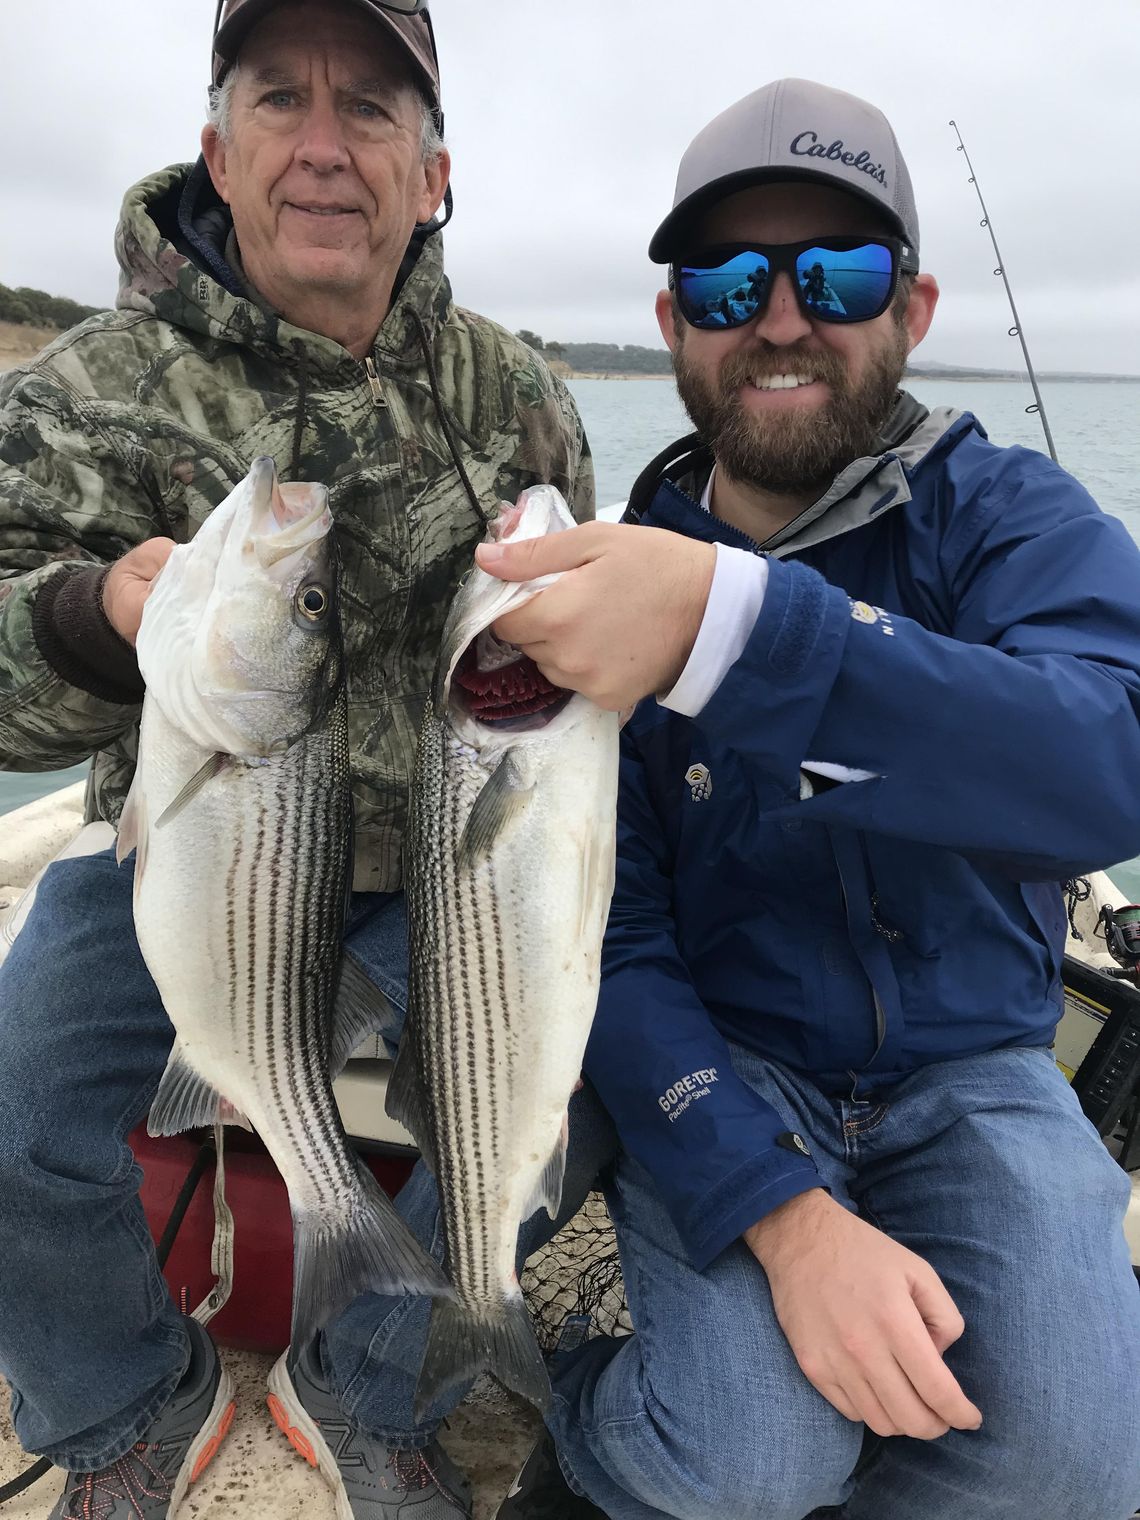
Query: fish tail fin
[
  {"x": 372, "y": 1251},
  {"x": 462, "y": 1344}
]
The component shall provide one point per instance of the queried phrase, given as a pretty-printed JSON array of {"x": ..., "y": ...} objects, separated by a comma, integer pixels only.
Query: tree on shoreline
[{"x": 35, "y": 308}]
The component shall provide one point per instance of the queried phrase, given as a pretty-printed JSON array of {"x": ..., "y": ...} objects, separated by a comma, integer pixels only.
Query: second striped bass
[{"x": 509, "y": 871}]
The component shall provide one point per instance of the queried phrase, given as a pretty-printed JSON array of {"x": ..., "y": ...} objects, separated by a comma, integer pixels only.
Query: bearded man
[{"x": 891, "y": 682}]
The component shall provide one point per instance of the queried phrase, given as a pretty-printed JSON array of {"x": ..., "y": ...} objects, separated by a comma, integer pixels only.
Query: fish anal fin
[
  {"x": 500, "y": 802},
  {"x": 462, "y": 1344},
  {"x": 404, "y": 1102},
  {"x": 547, "y": 1192},
  {"x": 185, "y": 1100},
  {"x": 214, "y": 766},
  {"x": 359, "y": 1009}
]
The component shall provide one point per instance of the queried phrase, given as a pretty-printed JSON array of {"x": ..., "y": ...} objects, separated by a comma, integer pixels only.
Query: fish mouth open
[{"x": 512, "y": 692}]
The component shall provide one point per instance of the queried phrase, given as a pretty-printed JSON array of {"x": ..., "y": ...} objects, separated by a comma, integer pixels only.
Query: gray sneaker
[
  {"x": 369, "y": 1480},
  {"x": 150, "y": 1482}
]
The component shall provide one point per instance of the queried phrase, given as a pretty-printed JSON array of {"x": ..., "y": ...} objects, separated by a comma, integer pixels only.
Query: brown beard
[{"x": 790, "y": 452}]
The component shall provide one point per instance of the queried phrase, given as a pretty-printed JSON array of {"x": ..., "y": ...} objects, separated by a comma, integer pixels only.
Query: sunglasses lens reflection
[
  {"x": 724, "y": 295},
  {"x": 849, "y": 285}
]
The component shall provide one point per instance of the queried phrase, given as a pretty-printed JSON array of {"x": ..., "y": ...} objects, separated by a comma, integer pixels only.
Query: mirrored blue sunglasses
[{"x": 849, "y": 279}]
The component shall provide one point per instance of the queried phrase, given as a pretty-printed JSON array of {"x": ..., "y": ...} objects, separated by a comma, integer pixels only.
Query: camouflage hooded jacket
[{"x": 139, "y": 422}]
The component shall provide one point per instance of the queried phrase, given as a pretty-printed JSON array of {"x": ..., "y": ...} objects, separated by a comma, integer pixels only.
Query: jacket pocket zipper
[{"x": 880, "y": 1011}]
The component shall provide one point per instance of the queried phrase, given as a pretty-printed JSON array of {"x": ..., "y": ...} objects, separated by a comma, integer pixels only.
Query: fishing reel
[{"x": 1121, "y": 930}]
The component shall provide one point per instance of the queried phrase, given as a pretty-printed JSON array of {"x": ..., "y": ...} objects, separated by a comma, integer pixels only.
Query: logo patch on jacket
[
  {"x": 686, "y": 1091},
  {"x": 700, "y": 782},
  {"x": 863, "y": 612}
]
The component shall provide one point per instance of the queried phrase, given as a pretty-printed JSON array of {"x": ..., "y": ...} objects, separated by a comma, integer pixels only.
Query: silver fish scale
[
  {"x": 460, "y": 949},
  {"x": 252, "y": 995},
  {"x": 285, "y": 902},
  {"x": 482, "y": 995}
]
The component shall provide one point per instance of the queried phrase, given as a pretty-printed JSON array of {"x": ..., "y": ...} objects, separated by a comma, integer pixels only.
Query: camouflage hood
[
  {"x": 140, "y": 421},
  {"x": 171, "y": 245}
]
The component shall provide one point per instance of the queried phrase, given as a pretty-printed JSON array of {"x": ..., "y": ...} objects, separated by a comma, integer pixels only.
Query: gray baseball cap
[{"x": 791, "y": 130}]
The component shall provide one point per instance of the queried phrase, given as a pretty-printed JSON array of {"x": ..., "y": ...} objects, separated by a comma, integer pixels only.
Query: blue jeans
[
  {"x": 90, "y": 1340},
  {"x": 987, "y": 1168}
]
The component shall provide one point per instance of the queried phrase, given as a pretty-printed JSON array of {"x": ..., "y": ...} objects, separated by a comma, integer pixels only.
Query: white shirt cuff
[
  {"x": 736, "y": 596},
  {"x": 837, "y": 772}
]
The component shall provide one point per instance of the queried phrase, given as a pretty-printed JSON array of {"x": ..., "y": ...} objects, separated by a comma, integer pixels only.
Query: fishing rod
[{"x": 1015, "y": 331}]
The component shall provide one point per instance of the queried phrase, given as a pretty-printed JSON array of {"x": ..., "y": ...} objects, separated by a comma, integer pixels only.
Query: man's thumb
[{"x": 533, "y": 557}]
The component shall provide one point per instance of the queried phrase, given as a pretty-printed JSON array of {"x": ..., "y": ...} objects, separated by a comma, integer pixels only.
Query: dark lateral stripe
[
  {"x": 470, "y": 1073},
  {"x": 447, "y": 1063},
  {"x": 233, "y": 999},
  {"x": 311, "y": 852},
  {"x": 486, "y": 1084},
  {"x": 262, "y": 890}
]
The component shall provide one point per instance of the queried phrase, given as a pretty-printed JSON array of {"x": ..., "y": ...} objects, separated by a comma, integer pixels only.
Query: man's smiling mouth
[{"x": 323, "y": 210}]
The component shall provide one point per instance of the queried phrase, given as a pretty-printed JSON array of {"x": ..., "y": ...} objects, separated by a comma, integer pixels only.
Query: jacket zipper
[
  {"x": 378, "y": 398},
  {"x": 754, "y": 544}
]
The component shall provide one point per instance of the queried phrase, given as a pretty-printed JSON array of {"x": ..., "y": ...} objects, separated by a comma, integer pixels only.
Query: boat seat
[{"x": 359, "y": 1091}]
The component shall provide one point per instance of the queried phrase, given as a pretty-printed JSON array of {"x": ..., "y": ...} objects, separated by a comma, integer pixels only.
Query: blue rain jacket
[{"x": 962, "y": 621}]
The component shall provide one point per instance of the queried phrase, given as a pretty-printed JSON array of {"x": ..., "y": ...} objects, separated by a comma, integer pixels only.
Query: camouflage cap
[{"x": 411, "y": 30}]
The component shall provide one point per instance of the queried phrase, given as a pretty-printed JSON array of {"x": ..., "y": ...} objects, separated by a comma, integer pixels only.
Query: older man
[
  {"x": 872, "y": 1247},
  {"x": 286, "y": 297}
]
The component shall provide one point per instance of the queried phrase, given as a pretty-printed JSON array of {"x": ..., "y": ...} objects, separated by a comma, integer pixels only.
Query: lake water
[{"x": 1096, "y": 428}]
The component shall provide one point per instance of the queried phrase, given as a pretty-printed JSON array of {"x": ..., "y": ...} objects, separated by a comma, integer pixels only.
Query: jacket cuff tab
[{"x": 75, "y": 637}]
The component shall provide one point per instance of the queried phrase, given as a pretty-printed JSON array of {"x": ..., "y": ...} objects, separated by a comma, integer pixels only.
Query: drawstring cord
[
  {"x": 302, "y": 401},
  {"x": 443, "y": 422},
  {"x": 425, "y": 346}
]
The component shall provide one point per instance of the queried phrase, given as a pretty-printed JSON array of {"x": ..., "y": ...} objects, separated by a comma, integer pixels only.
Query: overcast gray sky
[{"x": 567, "y": 118}]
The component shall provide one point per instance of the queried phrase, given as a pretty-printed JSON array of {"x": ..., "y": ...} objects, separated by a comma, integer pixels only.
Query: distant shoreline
[
  {"x": 973, "y": 376},
  {"x": 609, "y": 374},
  {"x": 19, "y": 344}
]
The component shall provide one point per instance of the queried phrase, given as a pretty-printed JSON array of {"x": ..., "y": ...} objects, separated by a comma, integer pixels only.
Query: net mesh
[{"x": 573, "y": 1286}]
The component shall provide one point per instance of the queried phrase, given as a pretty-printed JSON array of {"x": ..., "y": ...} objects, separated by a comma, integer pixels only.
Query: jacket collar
[{"x": 669, "y": 490}]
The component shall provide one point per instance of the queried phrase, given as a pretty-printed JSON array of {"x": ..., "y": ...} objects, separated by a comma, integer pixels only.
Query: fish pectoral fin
[
  {"x": 404, "y": 1102},
  {"x": 359, "y": 1009},
  {"x": 133, "y": 829},
  {"x": 185, "y": 1100},
  {"x": 214, "y": 766},
  {"x": 547, "y": 1192},
  {"x": 597, "y": 861},
  {"x": 502, "y": 799}
]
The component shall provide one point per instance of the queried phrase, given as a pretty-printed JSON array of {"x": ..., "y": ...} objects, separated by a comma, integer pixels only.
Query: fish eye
[{"x": 312, "y": 603}]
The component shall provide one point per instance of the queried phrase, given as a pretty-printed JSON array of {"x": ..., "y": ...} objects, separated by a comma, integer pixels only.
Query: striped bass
[
  {"x": 240, "y": 813},
  {"x": 510, "y": 871}
]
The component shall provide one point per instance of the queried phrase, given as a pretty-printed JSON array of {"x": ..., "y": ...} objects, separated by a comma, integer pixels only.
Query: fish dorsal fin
[
  {"x": 404, "y": 1101},
  {"x": 501, "y": 801},
  {"x": 548, "y": 1189},
  {"x": 214, "y": 766},
  {"x": 133, "y": 829},
  {"x": 359, "y": 1009},
  {"x": 186, "y": 1101}
]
